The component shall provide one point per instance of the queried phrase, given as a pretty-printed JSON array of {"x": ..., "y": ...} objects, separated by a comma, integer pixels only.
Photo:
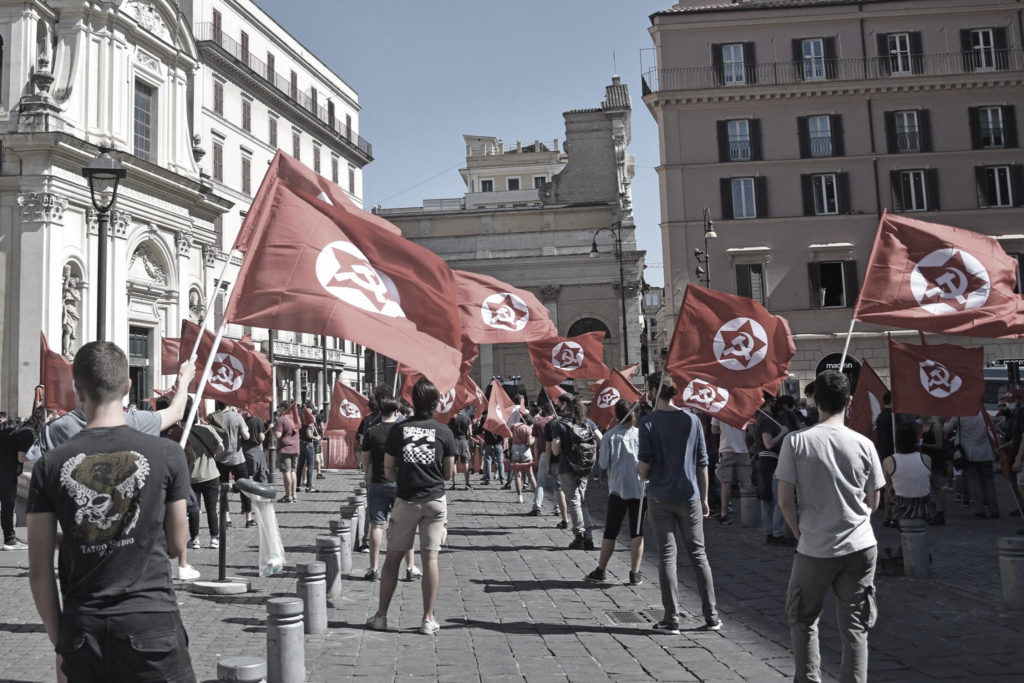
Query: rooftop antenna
[{"x": 615, "y": 66}]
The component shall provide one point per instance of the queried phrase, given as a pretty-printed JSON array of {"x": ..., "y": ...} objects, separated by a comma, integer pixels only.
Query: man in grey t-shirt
[
  {"x": 231, "y": 462},
  {"x": 835, "y": 474}
]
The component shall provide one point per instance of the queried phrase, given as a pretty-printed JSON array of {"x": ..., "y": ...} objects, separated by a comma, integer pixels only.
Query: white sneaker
[
  {"x": 15, "y": 544},
  {"x": 214, "y": 542},
  {"x": 413, "y": 573},
  {"x": 377, "y": 623},
  {"x": 429, "y": 627},
  {"x": 195, "y": 544},
  {"x": 188, "y": 573},
  {"x": 520, "y": 499}
]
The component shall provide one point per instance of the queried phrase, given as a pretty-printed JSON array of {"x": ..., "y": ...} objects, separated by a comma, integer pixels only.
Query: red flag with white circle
[{"x": 936, "y": 379}]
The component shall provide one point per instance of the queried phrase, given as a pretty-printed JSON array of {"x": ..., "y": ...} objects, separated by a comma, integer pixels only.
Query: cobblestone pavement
[{"x": 513, "y": 606}]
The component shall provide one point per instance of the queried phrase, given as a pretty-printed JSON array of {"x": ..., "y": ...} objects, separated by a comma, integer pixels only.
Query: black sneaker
[
  {"x": 562, "y": 525},
  {"x": 507, "y": 486},
  {"x": 635, "y": 578},
  {"x": 535, "y": 512},
  {"x": 578, "y": 543},
  {"x": 725, "y": 520},
  {"x": 669, "y": 627},
  {"x": 588, "y": 544},
  {"x": 320, "y": 475},
  {"x": 596, "y": 576}
]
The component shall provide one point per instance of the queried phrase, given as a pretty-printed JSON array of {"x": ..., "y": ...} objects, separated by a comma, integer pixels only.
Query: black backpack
[{"x": 581, "y": 449}]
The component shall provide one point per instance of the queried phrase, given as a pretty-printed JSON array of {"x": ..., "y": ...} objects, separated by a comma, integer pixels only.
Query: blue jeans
[
  {"x": 306, "y": 464},
  {"x": 771, "y": 516},
  {"x": 494, "y": 452},
  {"x": 544, "y": 481},
  {"x": 685, "y": 520}
]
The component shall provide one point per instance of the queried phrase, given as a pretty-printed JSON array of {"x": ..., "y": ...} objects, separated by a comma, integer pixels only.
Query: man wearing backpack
[
  {"x": 674, "y": 462},
  {"x": 574, "y": 443}
]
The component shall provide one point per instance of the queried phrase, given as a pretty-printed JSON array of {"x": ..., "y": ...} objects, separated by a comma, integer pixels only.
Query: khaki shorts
[
  {"x": 733, "y": 465},
  {"x": 286, "y": 461},
  {"x": 429, "y": 517}
]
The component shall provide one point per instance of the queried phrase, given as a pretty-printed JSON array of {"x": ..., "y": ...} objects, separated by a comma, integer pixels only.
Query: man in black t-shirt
[
  {"x": 461, "y": 426},
  {"x": 419, "y": 457},
  {"x": 119, "y": 497}
]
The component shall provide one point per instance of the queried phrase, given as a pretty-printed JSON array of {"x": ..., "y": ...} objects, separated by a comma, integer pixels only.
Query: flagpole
[
  {"x": 777, "y": 423},
  {"x": 216, "y": 293},
  {"x": 207, "y": 371},
  {"x": 846, "y": 346}
]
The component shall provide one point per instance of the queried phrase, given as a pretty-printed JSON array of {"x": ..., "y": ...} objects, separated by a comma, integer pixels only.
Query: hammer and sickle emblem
[
  {"x": 742, "y": 345},
  {"x": 705, "y": 396},
  {"x": 950, "y": 285},
  {"x": 223, "y": 374},
  {"x": 938, "y": 376},
  {"x": 366, "y": 278}
]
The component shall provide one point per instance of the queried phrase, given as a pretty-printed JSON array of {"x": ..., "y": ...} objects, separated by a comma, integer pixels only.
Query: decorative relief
[
  {"x": 549, "y": 292},
  {"x": 183, "y": 241},
  {"x": 42, "y": 207},
  {"x": 147, "y": 61},
  {"x": 210, "y": 254},
  {"x": 120, "y": 221},
  {"x": 71, "y": 313},
  {"x": 149, "y": 18},
  {"x": 196, "y": 309},
  {"x": 151, "y": 263}
]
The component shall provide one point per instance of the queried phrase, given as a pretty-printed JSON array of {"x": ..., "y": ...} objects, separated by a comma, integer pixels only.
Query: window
[
  {"x": 330, "y": 114},
  {"x": 908, "y": 131},
  {"x": 218, "y": 32},
  {"x": 833, "y": 283},
  {"x": 739, "y": 140},
  {"x": 293, "y": 87},
  {"x": 145, "y": 99},
  {"x": 984, "y": 49},
  {"x": 348, "y": 126},
  {"x": 334, "y": 169},
  {"x": 750, "y": 281},
  {"x": 512, "y": 184},
  {"x": 743, "y": 200},
  {"x": 246, "y": 174},
  {"x": 820, "y": 136},
  {"x": 732, "y": 59},
  {"x": 296, "y": 144},
  {"x": 245, "y": 48},
  {"x": 272, "y": 131},
  {"x": 218, "y": 97},
  {"x": 814, "y": 59},
  {"x": 246, "y": 114},
  {"x": 487, "y": 186},
  {"x": 270, "y": 67},
  {"x": 900, "y": 53},
  {"x": 316, "y": 158},
  {"x": 993, "y": 127},
  {"x": 538, "y": 181},
  {"x": 999, "y": 186},
  {"x": 915, "y": 190},
  {"x": 351, "y": 180},
  {"x": 733, "y": 63},
  {"x": 313, "y": 98},
  {"x": 218, "y": 161},
  {"x": 825, "y": 194}
]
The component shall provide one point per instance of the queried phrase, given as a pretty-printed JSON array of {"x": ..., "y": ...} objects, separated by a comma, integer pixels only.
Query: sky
[{"x": 429, "y": 71}]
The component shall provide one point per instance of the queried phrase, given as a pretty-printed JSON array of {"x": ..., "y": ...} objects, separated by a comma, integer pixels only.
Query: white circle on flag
[
  {"x": 349, "y": 410},
  {"x": 740, "y": 344},
  {"x": 950, "y": 280},
  {"x": 567, "y": 355},
  {"x": 227, "y": 374},
  {"x": 345, "y": 272},
  {"x": 505, "y": 311},
  {"x": 607, "y": 398},
  {"x": 937, "y": 380},
  {"x": 705, "y": 396},
  {"x": 446, "y": 402}
]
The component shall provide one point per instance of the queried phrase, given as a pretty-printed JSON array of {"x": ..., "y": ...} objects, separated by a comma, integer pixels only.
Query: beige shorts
[
  {"x": 406, "y": 517},
  {"x": 733, "y": 465},
  {"x": 286, "y": 461}
]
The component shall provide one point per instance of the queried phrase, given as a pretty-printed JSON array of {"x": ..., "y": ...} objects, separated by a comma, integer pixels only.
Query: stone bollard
[
  {"x": 358, "y": 520},
  {"x": 914, "y": 540},
  {"x": 241, "y": 670},
  {"x": 750, "y": 507},
  {"x": 286, "y": 645},
  {"x": 312, "y": 588},
  {"x": 328, "y": 551},
  {"x": 350, "y": 514},
  {"x": 1011, "y": 568}
]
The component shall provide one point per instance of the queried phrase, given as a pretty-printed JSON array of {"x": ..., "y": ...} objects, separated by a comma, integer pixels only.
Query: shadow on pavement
[
  {"x": 514, "y": 585},
  {"x": 23, "y": 628}
]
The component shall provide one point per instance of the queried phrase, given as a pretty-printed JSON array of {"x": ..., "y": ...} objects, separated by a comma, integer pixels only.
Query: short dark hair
[
  {"x": 905, "y": 438},
  {"x": 663, "y": 380},
  {"x": 425, "y": 398},
  {"x": 387, "y": 405},
  {"x": 528, "y": 419},
  {"x": 162, "y": 402},
  {"x": 624, "y": 413},
  {"x": 220, "y": 405},
  {"x": 809, "y": 389},
  {"x": 832, "y": 391},
  {"x": 100, "y": 371}
]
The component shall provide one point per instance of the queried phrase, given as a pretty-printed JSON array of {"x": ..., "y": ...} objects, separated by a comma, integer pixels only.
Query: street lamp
[
  {"x": 703, "y": 257},
  {"x": 616, "y": 231},
  {"x": 104, "y": 173}
]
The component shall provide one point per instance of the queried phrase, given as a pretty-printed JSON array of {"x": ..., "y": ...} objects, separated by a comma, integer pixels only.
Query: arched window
[{"x": 584, "y": 325}]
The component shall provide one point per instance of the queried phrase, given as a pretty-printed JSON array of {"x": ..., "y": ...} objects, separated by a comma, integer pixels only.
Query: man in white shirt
[{"x": 733, "y": 462}]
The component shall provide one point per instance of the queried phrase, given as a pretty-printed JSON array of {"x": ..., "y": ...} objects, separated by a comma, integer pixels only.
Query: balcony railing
[
  {"x": 908, "y": 140},
  {"x": 739, "y": 149},
  {"x": 851, "y": 69},
  {"x": 209, "y": 33}
]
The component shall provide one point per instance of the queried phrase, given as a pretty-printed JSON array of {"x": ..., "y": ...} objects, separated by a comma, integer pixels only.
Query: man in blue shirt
[{"x": 673, "y": 461}]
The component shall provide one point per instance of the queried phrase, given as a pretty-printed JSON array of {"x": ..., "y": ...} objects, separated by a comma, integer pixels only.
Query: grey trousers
[
  {"x": 683, "y": 519},
  {"x": 575, "y": 488},
  {"x": 851, "y": 578}
]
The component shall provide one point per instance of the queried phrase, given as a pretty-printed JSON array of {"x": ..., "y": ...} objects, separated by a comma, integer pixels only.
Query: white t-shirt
[
  {"x": 730, "y": 438},
  {"x": 833, "y": 468}
]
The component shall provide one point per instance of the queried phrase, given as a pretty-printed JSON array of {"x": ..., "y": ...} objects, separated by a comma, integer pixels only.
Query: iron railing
[
  {"x": 208, "y": 32},
  {"x": 848, "y": 69}
]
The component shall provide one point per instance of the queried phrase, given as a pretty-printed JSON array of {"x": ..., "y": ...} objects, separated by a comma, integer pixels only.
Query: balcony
[
  {"x": 833, "y": 70},
  {"x": 244, "y": 58}
]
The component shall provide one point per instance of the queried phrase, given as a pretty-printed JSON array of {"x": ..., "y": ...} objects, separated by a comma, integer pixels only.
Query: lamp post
[
  {"x": 616, "y": 231},
  {"x": 703, "y": 257},
  {"x": 104, "y": 174}
]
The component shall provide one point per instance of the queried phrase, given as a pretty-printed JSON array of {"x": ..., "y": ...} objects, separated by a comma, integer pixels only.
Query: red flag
[
  {"x": 556, "y": 358},
  {"x": 617, "y": 387},
  {"x": 293, "y": 416},
  {"x": 732, "y": 339},
  {"x": 867, "y": 403},
  {"x": 926, "y": 276},
  {"x": 348, "y": 408},
  {"x": 499, "y": 410},
  {"x": 169, "y": 355},
  {"x": 475, "y": 397},
  {"x": 240, "y": 375},
  {"x": 307, "y": 417},
  {"x": 493, "y": 312},
  {"x": 735, "y": 406},
  {"x": 446, "y": 406},
  {"x": 630, "y": 370},
  {"x": 314, "y": 262},
  {"x": 554, "y": 391},
  {"x": 937, "y": 379},
  {"x": 55, "y": 376}
]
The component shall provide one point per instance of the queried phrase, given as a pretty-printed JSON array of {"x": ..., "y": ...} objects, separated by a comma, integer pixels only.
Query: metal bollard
[
  {"x": 328, "y": 551},
  {"x": 241, "y": 669},
  {"x": 914, "y": 540},
  {"x": 1011, "y": 569},
  {"x": 312, "y": 588},
  {"x": 350, "y": 514},
  {"x": 286, "y": 645},
  {"x": 750, "y": 507},
  {"x": 358, "y": 520}
]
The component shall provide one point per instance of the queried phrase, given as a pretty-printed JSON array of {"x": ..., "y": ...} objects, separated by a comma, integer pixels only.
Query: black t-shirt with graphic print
[
  {"x": 374, "y": 441},
  {"x": 419, "y": 447},
  {"x": 108, "y": 487}
]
